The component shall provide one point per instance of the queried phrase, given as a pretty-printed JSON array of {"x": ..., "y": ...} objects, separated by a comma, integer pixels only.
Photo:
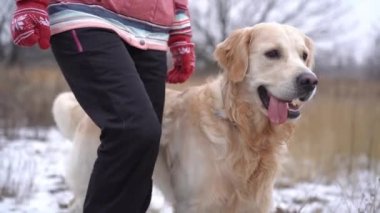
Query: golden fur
[{"x": 219, "y": 151}]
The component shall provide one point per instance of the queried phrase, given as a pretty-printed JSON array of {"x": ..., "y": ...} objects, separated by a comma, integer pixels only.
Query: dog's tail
[{"x": 67, "y": 114}]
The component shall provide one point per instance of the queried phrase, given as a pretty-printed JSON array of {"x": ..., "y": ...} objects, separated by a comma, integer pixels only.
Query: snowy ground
[{"x": 31, "y": 181}]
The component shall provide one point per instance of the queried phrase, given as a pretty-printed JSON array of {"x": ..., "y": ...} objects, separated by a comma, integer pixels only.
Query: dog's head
[{"x": 274, "y": 62}]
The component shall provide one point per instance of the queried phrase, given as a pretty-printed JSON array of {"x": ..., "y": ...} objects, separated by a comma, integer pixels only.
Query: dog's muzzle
[{"x": 280, "y": 110}]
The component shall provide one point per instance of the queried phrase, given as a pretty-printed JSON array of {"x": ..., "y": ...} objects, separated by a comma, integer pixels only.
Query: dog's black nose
[{"x": 307, "y": 81}]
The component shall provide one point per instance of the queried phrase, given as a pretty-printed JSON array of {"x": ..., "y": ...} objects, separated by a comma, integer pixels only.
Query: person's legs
[{"x": 104, "y": 79}]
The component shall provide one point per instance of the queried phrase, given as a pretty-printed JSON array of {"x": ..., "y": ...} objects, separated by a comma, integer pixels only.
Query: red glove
[
  {"x": 30, "y": 24},
  {"x": 183, "y": 58}
]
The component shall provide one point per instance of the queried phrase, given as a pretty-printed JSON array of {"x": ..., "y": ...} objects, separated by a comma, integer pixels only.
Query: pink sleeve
[
  {"x": 181, "y": 24},
  {"x": 43, "y": 2}
]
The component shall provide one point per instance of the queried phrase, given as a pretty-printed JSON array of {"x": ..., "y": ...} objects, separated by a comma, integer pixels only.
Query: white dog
[{"x": 222, "y": 141}]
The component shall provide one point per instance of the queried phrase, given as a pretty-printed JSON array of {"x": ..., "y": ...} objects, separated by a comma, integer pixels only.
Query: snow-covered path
[
  {"x": 31, "y": 181},
  {"x": 41, "y": 166}
]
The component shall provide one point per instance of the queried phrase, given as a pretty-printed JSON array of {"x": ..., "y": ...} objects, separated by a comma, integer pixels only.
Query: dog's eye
[
  {"x": 273, "y": 54},
  {"x": 304, "y": 56}
]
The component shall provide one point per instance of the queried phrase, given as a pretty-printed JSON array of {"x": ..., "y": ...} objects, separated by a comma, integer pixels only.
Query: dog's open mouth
[{"x": 279, "y": 110}]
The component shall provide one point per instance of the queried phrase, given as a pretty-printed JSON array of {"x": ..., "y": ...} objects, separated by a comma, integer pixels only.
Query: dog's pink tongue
[{"x": 277, "y": 111}]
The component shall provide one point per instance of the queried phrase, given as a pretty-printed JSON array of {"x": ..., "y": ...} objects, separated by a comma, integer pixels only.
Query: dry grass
[{"x": 26, "y": 98}]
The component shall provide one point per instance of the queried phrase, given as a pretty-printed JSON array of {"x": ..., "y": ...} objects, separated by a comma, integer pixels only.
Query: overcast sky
[{"x": 367, "y": 12}]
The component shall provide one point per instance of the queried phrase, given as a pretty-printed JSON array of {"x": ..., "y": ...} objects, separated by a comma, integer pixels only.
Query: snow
[
  {"x": 40, "y": 165},
  {"x": 32, "y": 181},
  {"x": 312, "y": 197}
]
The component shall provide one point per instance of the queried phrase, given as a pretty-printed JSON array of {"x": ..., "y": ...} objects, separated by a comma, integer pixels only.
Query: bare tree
[
  {"x": 373, "y": 62},
  {"x": 213, "y": 20},
  {"x": 8, "y": 51}
]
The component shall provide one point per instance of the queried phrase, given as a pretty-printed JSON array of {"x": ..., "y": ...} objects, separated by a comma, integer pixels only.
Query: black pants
[{"x": 122, "y": 89}]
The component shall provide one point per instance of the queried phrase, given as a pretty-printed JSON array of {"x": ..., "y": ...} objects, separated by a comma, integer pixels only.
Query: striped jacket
[{"x": 145, "y": 24}]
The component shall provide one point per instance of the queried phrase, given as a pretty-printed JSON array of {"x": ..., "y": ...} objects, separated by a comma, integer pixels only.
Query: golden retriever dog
[{"x": 222, "y": 141}]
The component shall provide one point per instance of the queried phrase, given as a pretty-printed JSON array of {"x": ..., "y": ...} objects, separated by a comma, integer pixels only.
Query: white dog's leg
[
  {"x": 81, "y": 160},
  {"x": 161, "y": 177}
]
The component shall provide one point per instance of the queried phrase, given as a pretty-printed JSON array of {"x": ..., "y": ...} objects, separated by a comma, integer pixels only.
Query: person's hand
[
  {"x": 30, "y": 25},
  {"x": 182, "y": 51}
]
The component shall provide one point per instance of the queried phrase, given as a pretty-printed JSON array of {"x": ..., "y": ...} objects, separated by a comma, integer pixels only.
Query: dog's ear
[
  {"x": 232, "y": 54},
  {"x": 310, "y": 46}
]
